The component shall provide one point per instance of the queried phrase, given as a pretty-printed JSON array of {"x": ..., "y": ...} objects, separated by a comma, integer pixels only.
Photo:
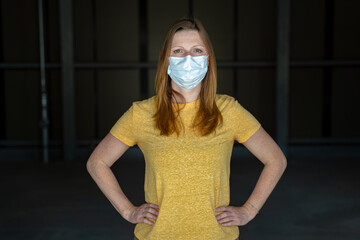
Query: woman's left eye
[{"x": 197, "y": 52}]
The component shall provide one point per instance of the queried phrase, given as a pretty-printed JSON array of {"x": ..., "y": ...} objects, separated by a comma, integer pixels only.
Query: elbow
[
  {"x": 90, "y": 165},
  {"x": 283, "y": 163},
  {"x": 278, "y": 162},
  {"x": 94, "y": 165}
]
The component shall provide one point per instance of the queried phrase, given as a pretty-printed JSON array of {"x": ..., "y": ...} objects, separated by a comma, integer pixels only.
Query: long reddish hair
[{"x": 166, "y": 117}]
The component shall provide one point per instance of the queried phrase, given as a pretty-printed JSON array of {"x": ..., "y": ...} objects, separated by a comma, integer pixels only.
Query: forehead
[{"x": 185, "y": 38}]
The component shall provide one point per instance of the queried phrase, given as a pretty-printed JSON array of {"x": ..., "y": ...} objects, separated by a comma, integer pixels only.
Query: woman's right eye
[{"x": 178, "y": 51}]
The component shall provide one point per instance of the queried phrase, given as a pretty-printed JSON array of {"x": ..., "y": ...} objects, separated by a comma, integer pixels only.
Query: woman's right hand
[{"x": 143, "y": 213}]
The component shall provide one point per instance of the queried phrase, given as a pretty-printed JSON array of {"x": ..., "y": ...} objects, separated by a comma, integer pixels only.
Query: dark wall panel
[
  {"x": 257, "y": 30},
  {"x": 117, "y": 30},
  {"x": 84, "y": 30},
  {"x": 20, "y": 44},
  {"x": 256, "y": 92},
  {"x": 307, "y": 30},
  {"x": 85, "y": 105},
  {"x": 20, "y": 31},
  {"x": 346, "y": 102},
  {"x": 22, "y": 93},
  {"x": 55, "y": 103},
  {"x": 52, "y": 30},
  {"x": 346, "y": 28},
  {"x": 305, "y": 94},
  {"x": 117, "y": 90}
]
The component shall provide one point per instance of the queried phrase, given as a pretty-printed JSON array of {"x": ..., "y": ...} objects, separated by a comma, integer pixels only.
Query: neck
[{"x": 188, "y": 95}]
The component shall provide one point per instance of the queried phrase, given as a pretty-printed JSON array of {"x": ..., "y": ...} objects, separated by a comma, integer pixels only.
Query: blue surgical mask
[{"x": 187, "y": 72}]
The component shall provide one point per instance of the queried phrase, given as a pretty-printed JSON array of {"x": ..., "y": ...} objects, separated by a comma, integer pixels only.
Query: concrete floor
[{"x": 316, "y": 199}]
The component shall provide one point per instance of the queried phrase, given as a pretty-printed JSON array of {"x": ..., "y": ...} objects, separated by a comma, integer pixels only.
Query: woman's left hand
[{"x": 234, "y": 216}]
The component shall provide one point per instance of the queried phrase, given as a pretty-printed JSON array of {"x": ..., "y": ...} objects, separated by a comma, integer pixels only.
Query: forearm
[
  {"x": 106, "y": 181},
  {"x": 267, "y": 181}
]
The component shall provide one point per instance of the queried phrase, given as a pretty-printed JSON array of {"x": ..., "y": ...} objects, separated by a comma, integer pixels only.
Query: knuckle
[
  {"x": 145, "y": 213},
  {"x": 154, "y": 207},
  {"x": 148, "y": 221}
]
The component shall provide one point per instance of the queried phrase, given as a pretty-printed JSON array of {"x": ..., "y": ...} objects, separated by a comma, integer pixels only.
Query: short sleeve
[
  {"x": 124, "y": 128},
  {"x": 243, "y": 122}
]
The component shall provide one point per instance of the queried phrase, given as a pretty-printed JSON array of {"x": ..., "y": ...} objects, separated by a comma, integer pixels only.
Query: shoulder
[
  {"x": 147, "y": 105},
  {"x": 220, "y": 98},
  {"x": 225, "y": 102},
  {"x": 231, "y": 108}
]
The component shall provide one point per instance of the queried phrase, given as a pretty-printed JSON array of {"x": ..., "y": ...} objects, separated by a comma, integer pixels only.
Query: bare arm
[
  {"x": 109, "y": 150},
  {"x": 262, "y": 146},
  {"x": 268, "y": 152}
]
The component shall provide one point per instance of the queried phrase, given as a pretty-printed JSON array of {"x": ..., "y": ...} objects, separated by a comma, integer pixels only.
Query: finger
[
  {"x": 154, "y": 206},
  {"x": 221, "y": 209},
  {"x": 147, "y": 221},
  {"x": 153, "y": 211},
  {"x": 225, "y": 220},
  {"x": 150, "y": 215},
  {"x": 228, "y": 224},
  {"x": 222, "y": 215},
  {"x": 233, "y": 221}
]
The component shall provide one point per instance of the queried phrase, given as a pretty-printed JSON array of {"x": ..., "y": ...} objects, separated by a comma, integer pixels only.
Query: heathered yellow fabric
[{"x": 187, "y": 176}]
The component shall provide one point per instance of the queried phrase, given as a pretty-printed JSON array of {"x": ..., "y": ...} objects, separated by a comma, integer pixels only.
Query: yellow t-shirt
[{"x": 187, "y": 176}]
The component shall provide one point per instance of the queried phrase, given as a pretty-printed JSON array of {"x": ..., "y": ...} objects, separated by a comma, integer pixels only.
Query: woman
[{"x": 186, "y": 133}]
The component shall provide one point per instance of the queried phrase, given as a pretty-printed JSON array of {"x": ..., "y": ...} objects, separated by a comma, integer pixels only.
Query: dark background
[{"x": 295, "y": 65}]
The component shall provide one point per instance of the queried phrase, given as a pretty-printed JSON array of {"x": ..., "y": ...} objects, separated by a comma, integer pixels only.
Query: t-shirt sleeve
[
  {"x": 243, "y": 122},
  {"x": 124, "y": 128}
]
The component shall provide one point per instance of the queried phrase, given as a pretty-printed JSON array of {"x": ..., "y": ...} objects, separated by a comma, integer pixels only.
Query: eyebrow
[{"x": 192, "y": 47}]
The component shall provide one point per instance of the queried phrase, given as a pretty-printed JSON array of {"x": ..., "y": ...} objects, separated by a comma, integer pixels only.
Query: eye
[
  {"x": 178, "y": 51},
  {"x": 198, "y": 52}
]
